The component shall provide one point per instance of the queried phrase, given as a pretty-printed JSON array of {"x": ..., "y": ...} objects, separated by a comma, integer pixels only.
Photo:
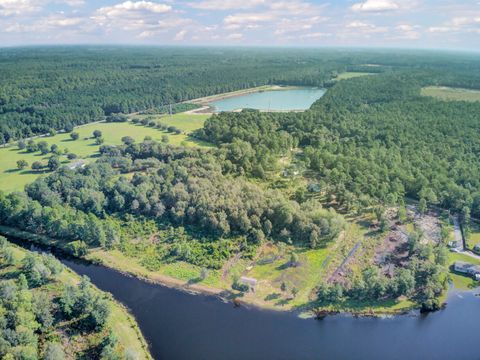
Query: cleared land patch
[
  {"x": 350, "y": 75},
  {"x": 13, "y": 179},
  {"x": 453, "y": 94}
]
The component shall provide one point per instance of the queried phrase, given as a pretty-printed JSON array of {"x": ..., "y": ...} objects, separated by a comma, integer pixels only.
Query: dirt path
[
  {"x": 457, "y": 232},
  {"x": 204, "y": 110}
]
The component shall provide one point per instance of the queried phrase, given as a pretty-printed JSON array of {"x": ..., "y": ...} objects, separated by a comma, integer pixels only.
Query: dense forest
[{"x": 368, "y": 139}]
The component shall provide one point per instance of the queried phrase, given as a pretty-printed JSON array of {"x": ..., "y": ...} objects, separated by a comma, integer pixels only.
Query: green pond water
[{"x": 275, "y": 100}]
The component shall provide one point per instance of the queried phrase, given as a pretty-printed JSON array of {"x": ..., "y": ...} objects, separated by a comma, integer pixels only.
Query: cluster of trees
[
  {"x": 57, "y": 221},
  {"x": 34, "y": 304},
  {"x": 53, "y": 162},
  {"x": 150, "y": 121},
  {"x": 170, "y": 109},
  {"x": 422, "y": 280},
  {"x": 186, "y": 187}
]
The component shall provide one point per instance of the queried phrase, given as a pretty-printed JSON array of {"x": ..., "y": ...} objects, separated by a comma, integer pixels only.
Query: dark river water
[{"x": 178, "y": 325}]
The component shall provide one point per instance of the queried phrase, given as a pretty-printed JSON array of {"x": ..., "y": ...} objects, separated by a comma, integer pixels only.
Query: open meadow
[
  {"x": 453, "y": 94},
  {"x": 351, "y": 74},
  {"x": 13, "y": 179}
]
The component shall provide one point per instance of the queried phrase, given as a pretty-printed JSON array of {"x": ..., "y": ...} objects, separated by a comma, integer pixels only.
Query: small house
[
  {"x": 467, "y": 268},
  {"x": 77, "y": 165}
]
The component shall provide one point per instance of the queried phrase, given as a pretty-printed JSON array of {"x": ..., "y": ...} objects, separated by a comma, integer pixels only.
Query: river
[{"x": 180, "y": 326}]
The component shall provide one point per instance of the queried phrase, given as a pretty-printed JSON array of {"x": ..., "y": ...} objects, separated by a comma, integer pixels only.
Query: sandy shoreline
[{"x": 205, "y": 100}]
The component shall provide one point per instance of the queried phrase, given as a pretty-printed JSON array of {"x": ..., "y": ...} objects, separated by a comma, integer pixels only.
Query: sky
[{"x": 439, "y": 24}]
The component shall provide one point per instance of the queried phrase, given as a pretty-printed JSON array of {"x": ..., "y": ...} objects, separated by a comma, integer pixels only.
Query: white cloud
[
  {"x": 375, "y": 6},
  {"x": 73, "y": 3},
  {"x": 248, "y": 18},
  {"x": 288, "y": 25},
  {"x": 407, "y": 32},
  {"x": 146, "y": 34},
  {"x": 235, "y": 36},
  {"x": 315, "y": 35},
  {"x": 179, "y": 36},
  {"x": 18, "y": 7},
  {"x": 466, "y": 24},
  {"x": 145, "y": 17},
  {"x": 63, "y": 21},
  {"x": 439, "y": 29},
  {"x": 131, "y": 8},
  {"x": 225, "y": 4},
  {"x": 295, "y": 7},
  {"x": 365, "y": 27}
]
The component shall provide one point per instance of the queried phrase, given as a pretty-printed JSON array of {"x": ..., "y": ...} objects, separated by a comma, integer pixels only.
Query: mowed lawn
[
  {"x": 350, "y": 75},
  {"x": 12, "y": 179},
  {"x": 447, "y": 93}
]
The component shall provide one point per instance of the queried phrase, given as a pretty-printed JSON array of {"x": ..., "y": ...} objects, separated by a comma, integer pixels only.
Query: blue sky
[{"x": 443, "y": 24}]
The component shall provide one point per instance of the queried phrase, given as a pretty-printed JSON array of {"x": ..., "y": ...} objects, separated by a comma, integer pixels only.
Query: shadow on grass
[{"x": 10, "y": 171}]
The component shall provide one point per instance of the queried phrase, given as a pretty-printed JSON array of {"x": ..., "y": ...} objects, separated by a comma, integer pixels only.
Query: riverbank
[
  {"x": 117, "y": 261},
  {"x": 120, "y": 320}
]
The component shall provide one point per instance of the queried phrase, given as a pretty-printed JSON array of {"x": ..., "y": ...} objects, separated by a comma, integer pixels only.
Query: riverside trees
[{"x": 35, "y": 304}]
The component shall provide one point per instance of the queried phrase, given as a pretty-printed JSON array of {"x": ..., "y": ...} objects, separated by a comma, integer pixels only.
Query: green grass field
[
  {"x": 12, "y": 179},
  {"x": 447, "y": 93},
  {"x": 474, "y": 236},
  {"x": 350, "y": 75}
]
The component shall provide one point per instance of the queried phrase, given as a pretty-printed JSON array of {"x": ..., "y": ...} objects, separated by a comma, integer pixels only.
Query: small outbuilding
[{"x": 77, "y": 165}]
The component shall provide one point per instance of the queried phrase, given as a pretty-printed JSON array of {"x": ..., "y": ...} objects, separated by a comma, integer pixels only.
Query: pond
[
  {"x": 272, "y": 100},
  {"x": 180, "y": 326}
]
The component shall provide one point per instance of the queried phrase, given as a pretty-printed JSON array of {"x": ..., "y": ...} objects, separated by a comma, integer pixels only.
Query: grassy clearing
[
  {"x": 473, "y": 237},
  {"x": 273, "y": 268},
  {"x": 350, "y": 75},
  {"x": 391, "y": 306},
  {"x": 122, "y": 323},
  {"x": 448, "y": 93},
  {"x": 12, "y": 179}
]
